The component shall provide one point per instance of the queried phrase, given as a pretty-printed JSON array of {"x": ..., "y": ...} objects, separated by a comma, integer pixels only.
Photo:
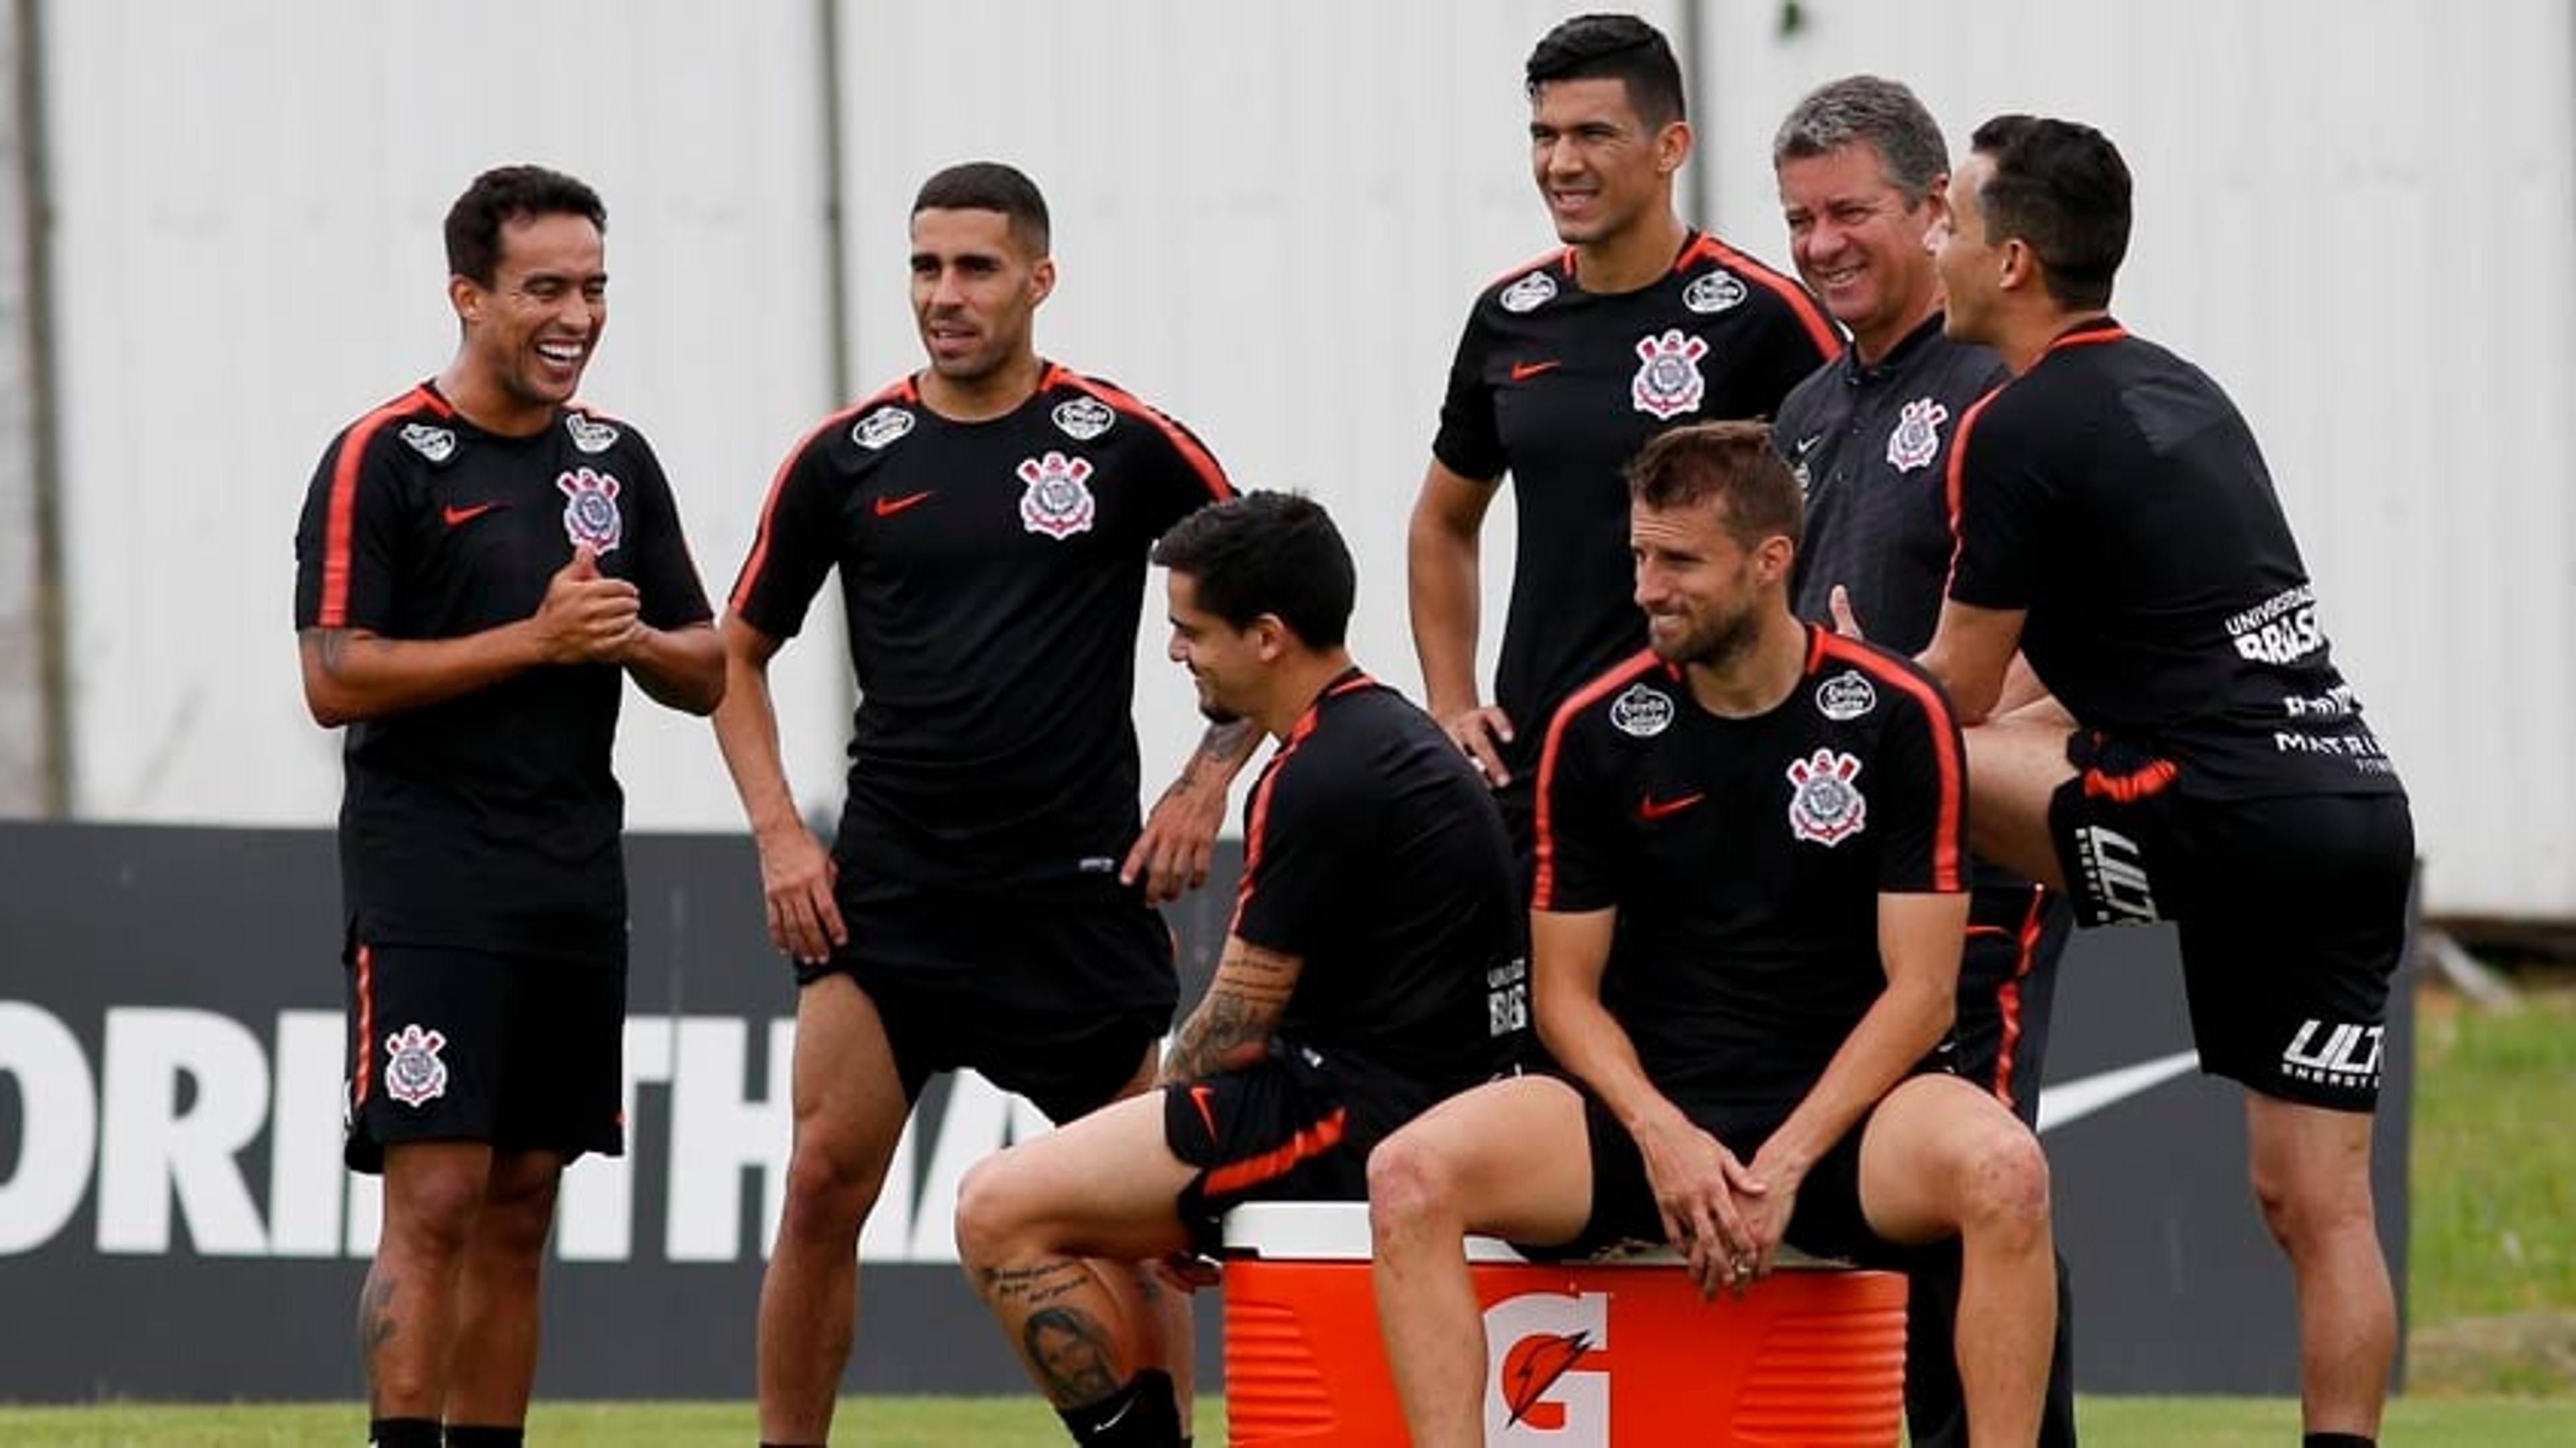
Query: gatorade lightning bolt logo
[{"x": 1533, "y": 1366}]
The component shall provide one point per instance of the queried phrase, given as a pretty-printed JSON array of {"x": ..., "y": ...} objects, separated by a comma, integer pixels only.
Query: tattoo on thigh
[
  {"x": 1073, "y": 1355},
  {"x": 1034, "y": 1284}
]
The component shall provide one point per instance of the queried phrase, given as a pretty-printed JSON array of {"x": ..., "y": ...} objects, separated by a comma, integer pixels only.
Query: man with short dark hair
[
  {"x": 1745, "y": 937},
  {"x": 1567, "y": 364},
  {"x": 988, "y": 902},
  {"x": 481, "y": 564},
  {"x": 1371, "y": 969},
  {"x": 1862, "y": 169},
  {"x": 2116, "y": 524}
]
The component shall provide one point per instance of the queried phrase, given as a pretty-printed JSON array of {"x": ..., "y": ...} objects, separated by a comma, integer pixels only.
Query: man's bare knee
[{"x": 1411, "y": 1185}]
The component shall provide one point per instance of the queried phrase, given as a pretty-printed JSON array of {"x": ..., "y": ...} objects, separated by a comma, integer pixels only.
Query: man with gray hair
[{"x": 1862, "y": 168}]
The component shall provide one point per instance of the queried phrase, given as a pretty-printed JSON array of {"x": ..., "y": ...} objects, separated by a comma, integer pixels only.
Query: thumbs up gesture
[{"x": 585, "y": 617}]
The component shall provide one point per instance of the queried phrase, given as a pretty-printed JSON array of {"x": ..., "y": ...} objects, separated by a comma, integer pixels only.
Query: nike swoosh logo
[
  {"x": 888, "y": 507},
  {"x": 456, "y": 515},
  {"x": 1655, "y": 809},
  {"x": 1524, "y": 371},
  {"x": 1101, "y": 1428},
  {"x": 1808, "y": 443},
  {"x": 2068, "y": 1102},
  {"x": 1200, "y": 1096}
]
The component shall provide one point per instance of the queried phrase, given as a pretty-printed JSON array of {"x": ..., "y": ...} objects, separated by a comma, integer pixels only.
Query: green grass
[
  {"x": 2494, "y": 1189},
  {"x": 1025, "y": 1423}
]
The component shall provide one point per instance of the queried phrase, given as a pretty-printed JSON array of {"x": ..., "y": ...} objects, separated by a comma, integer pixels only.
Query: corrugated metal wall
[{"x": 1269, "y": 218}]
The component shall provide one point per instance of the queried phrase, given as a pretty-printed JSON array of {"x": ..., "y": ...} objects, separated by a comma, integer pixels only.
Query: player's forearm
[
  {"x": 682, "y": 668},
  {"x": 1218, "y": 758},
  {"x": 1588, "y": 1041},
  {"x": 1900, "y": 1028},
  {"x": 1232, "y": 1025},
  {"x": 351, "y": 675},
  {"x": 1441, "y": 583},
  {"x": 746, "y": 724}
]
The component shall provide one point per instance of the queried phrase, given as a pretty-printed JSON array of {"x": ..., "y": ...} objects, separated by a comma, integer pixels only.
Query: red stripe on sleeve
[
  {"x": 340, "y": 521},
  {"x": 901, "y": 391},
  {"x": 1952, "y": 773},
  {"x": 1543, "y": 888},
  {"x": 1820, "y": 328},
  {"x": 1200, "y": 460},
  {"x": 1258, "y": 827},
  {"x": 1954, "y": 481}
]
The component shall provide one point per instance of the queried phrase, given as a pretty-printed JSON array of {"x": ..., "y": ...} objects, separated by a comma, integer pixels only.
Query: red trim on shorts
[
  {"x": 340, "y": 518},
  {"x": 1820, "y": 330},
  {"x": 898, "y": 391},
  {"x": 1543, "y": 829},
  {"x": 1200, "y": 460},
  {"x": 1307, "y": 1144},
  {"x": 2144, "y": 782},
  {"x": 1945, "y": 744},
  {"x": 364, "y": 1074},
  {"x": 2008, "y": 998}
]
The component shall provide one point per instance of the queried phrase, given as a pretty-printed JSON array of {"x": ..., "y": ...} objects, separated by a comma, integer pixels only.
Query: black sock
[
  {"x": 1142, "y": 1414},
  {"x": 2337, "y": 1440},
  {"x": 461, "y": 1435},
  {"x": 402, "y": 1433}
]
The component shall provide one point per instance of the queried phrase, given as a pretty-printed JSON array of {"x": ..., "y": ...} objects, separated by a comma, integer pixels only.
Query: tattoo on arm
[
  {"x": 1220, "y": 751},
  {"x": 1242, "y": 1006},
  {"x": 332, "y": 645}
]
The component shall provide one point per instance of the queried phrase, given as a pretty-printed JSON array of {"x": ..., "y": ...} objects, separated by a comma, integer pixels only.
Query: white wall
[{"x": 1269, "y": 219}]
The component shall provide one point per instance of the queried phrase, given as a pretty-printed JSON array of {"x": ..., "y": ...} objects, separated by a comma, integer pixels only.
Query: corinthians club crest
[
  {"x": 413, "y": 1072},
  {"x": 1917, "y": 438},
  {"x": 1058, "y": 501},
  {"x": 590, "y": 510},
  {"x": 1824, "y": 805},
  {"x": 1668, "y": 383}
]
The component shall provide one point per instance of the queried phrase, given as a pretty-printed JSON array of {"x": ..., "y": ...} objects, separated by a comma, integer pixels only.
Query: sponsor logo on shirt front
[
  {"x": 881, "y": 427},
  {"x": 1529, "y": 293},
  {"x": 1845, "y": 696},
  {"x": 589, "y": 436},
  {"x": 1713, "y": 293},
  {"x": 1917, "y": 439},
  {"x": 413, "y": 1073},
  {"x": 434, "y": 443},
  {"x": 1668, "y": 383},
  {"x": 1824, "y": 805},
  {"x": 1642, "y": 713},
  {"x": 590, "y": 510},
  {"x": 1084, "y": 418},
  {"x": 1057, "y": 501}
]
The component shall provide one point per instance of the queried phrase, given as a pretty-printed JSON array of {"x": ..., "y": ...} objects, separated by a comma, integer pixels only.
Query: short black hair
[
  {"x": 1730, "y": 461},
  {"x": 1614, "y": 47},
  {"x": 2061, "y": 189},
  {"x": 1273, "y": 553},
  {"x": 505, "y": 194},
  {"x": 991, "y": 186}
]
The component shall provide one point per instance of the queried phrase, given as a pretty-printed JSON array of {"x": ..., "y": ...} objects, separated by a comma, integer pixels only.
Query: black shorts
[
  {"x": 1056, "y": 1001},
  {"x": 1294, "y": 1128},
  {"x": 521, "y": 1052},
  {"x": 2292, "y": 913},
  {"x": 1827, "y": 1221},
  {"x": 2007, "y": 988}
]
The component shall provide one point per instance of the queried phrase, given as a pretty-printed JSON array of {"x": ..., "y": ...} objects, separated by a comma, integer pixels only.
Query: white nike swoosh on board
[{"x": 2071, "y": 1101}]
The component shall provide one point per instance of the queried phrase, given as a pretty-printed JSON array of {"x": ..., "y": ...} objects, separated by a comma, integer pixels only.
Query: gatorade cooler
[{"x": 1616, "y": 1354}]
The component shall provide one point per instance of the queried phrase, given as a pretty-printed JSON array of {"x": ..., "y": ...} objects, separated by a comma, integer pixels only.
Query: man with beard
[
  {"x": 1745, "y": 936},
  {"x": 1372, "y": 968}
]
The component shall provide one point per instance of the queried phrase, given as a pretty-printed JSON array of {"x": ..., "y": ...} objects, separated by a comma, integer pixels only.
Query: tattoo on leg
[
  {"x": 375, "y": 1325},
  {"x": 1035, "y": 1284},
  {"x": 1073, "y": 1355}
]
